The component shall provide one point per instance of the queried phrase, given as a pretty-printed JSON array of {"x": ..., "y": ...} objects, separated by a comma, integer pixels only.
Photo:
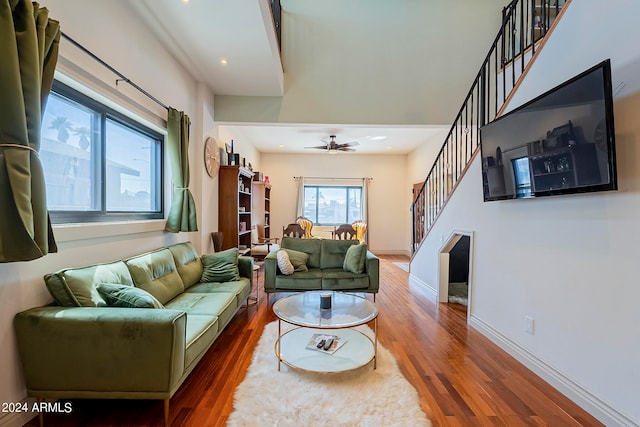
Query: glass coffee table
[{"x": 294, "y": 347}]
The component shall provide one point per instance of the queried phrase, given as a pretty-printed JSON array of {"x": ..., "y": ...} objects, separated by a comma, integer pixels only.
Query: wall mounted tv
[{"x": 561, "y": 142}]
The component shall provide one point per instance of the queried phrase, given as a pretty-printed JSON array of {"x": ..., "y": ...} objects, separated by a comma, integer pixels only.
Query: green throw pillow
[
  {"x": 298, "y": 259},
  {"x": 355, "y": 258},
  {"x": 117, "y": 295},
  {"x": 220, "y": 266}
]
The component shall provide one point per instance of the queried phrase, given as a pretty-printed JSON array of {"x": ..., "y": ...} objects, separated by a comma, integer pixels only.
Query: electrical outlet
[{"x": 528, "y": 324}]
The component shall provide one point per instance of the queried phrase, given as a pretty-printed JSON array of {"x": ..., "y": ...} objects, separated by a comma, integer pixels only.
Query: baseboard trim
[
  {"x": 581, "y": 396},
  {"x": 18, "y": 419},
  {"x": 413, "y": 280},
  {"x": 390, "y": 252}
]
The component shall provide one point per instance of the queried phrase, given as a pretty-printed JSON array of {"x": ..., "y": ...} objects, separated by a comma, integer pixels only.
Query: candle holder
[{"x": 325, "y": 301}]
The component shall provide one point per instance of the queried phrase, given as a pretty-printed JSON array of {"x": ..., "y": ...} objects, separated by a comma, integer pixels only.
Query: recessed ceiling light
[
  {"x": 185, "y": 1},
  {"x": 376, "y": 138},
  {"x": 281, "y": 145},
  {"x": 224, "y": 61},
  {"x": 389, "y": 147}
]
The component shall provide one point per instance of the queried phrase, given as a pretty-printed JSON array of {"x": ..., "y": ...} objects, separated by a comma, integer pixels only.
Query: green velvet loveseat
[
  {"x": 80, "y": 347},
  {"x": 325, "y": 268}
]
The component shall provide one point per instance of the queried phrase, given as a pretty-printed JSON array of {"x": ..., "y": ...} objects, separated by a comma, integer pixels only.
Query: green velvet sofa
[
  {"x": 325, "y": 268},
  {"x": 80, "y": 348}
]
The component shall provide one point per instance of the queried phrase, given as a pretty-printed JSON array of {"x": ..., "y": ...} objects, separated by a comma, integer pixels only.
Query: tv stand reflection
[{"x": 572, "y": 166}]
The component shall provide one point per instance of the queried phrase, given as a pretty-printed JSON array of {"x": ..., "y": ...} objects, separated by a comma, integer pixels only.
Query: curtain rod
[
  {"x": 122, "y": 78},
  {"x": 329, "y": 178}
]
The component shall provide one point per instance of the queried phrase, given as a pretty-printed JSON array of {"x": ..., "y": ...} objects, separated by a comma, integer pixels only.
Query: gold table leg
[{"x": 279, "y": 345}]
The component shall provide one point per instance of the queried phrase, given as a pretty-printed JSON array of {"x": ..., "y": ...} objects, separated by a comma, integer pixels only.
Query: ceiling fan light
[{"x": 332, "y": 151}]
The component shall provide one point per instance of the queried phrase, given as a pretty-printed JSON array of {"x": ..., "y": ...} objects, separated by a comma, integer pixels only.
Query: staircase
[{"x": 525, "y": 25}]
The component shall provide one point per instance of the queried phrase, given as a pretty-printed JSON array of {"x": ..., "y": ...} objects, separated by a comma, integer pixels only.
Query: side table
[{"x": 258, "y": 266}]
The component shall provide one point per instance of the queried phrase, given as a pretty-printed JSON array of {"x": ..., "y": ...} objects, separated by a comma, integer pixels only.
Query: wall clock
[{"x": 211, "y": 157}]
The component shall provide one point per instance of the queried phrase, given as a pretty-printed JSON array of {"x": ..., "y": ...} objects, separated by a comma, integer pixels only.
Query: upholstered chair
[
  {"x": 260, "y": 245},
  {"x": 360, "y": 227},
  {"x": 307, "y": 226}
]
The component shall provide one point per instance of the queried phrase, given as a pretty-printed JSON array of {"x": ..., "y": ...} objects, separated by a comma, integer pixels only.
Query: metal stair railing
[
  {"x": 276, "y": 14},
  {"x": 524, "y": 25}
]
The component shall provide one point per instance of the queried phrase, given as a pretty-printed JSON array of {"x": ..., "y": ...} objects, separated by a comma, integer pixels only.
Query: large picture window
[
  {"x": 330, "y": 205},
  {"x": 99, "y": 165}
]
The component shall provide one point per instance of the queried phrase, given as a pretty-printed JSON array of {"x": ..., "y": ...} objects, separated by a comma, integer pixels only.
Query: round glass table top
[{"x": 346, "y": 310}]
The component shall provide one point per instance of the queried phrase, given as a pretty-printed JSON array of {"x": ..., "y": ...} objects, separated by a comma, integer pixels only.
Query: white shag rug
[{"x": 293, "y": 398}]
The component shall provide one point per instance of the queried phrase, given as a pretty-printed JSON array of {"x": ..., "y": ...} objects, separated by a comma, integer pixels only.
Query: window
[
  {"x": 328, "y": 205},
  {"x": 522, "y": 177},
  {"x": 99, "y": 165}
]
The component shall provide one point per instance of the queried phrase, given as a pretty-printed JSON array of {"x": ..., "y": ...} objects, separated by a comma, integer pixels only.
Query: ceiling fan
[{"x": 333, "y": 147}]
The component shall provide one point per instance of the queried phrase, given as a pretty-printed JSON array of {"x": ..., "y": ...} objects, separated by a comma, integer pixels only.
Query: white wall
[
  {"x": 389, "y": 199},
  {"x": 241, "y": 146},
  {"x": 204, "y": 187},
  {"x": 420, "y": 160},
  {"x": 570, "y": 262},
  {"x": 373, "y": 62},
  {"x": 109, "y": 30}
]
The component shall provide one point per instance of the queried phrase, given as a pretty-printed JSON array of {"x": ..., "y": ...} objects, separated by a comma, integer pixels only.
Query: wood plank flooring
[{"x": 462, "y": 378}]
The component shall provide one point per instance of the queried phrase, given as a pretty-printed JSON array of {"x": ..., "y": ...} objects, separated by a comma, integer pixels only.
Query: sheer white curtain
[
  {"x": 365, "y": 205},
  {"x": 364, "y": 202},
  {"x": 300, "y": 201}
]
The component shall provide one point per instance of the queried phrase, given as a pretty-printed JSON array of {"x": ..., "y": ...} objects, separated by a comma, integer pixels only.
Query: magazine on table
[{"x": 325, "y": 343}]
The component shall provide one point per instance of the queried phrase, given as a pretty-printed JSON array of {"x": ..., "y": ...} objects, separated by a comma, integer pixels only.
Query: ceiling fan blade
[
  {"x": 349, "y": 144},
  {"x": 331, "y": 145}
]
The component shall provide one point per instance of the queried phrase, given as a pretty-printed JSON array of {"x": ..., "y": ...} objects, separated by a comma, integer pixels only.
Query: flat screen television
[{"x": 561, "y": 142}]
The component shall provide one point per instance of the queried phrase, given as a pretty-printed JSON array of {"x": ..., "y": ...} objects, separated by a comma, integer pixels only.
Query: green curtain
[
  {"x": 29, "y": 50},
  {"x": 182, "y": 216}
]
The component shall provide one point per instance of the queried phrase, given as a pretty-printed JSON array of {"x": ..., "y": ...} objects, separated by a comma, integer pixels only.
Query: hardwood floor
[{"x": 462, "y": 378}]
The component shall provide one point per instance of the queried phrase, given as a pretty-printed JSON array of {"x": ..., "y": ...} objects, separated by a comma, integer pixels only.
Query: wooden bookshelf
[
  {"x": 234, "y": 207},
  {"x": 261, "y": 208}
]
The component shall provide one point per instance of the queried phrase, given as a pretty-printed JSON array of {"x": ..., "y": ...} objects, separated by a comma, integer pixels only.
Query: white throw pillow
[{"x": 284, "y": 264}]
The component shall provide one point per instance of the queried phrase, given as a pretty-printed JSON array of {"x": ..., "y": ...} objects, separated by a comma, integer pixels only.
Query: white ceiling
[
  {"x": 201, "y": 33},
  {"x": 371, "y": 139}
]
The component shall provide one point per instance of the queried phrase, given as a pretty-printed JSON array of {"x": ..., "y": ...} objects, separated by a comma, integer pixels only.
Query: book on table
[{"x": 325, "y": 343}]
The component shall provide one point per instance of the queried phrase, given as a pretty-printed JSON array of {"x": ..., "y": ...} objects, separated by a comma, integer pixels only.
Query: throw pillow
[
  {"x": 298, "y": 259},
  {"x": 284, "y": 264},
  {"x": 355, "y": 258},
  {"x": 117, "y": 295},
  {"x": 220, "y": 266}
]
